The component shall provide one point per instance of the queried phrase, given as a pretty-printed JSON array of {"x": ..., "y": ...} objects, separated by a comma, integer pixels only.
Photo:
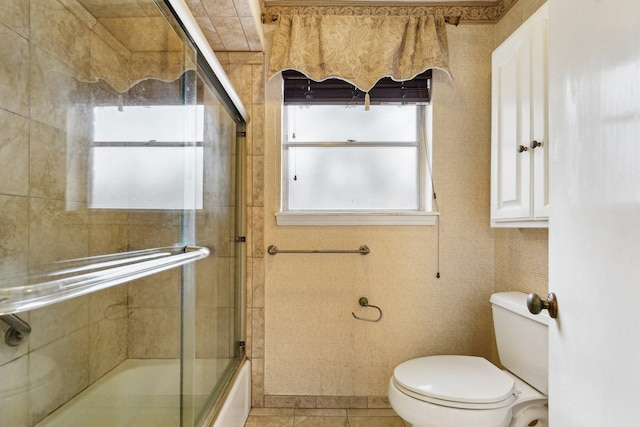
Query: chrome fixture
[
  {"x": 363, "y": 250},
  {"x": 365, "y": 303},
  {"x": 18, "y": 330}
]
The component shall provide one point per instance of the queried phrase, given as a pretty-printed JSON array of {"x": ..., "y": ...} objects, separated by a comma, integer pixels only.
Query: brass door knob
[
  {"x": 535, "y": 304},
  {"x": 522, "y": 148}
]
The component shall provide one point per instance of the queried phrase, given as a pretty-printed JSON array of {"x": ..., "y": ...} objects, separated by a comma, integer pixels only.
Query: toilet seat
[{"x": 465, "y": 382}]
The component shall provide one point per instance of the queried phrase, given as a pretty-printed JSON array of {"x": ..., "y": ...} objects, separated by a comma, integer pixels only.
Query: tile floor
[{"x": 289, "y": 417}]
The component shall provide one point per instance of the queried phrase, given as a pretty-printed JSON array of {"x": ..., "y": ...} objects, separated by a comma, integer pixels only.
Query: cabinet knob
[
  {"x": 522, "y": 149},
  {"x": 535, "y": 144}
]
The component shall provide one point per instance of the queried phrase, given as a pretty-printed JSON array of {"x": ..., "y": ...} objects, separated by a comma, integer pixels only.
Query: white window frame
[{"x": 424, "y": 215}]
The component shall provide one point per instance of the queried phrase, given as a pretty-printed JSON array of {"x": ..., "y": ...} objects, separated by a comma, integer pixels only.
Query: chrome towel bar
[
  {"x": 88, "y": 275},
  {"x": 363, "y": 250}
]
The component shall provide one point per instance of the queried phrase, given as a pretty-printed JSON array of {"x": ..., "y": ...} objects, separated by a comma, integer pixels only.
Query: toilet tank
[{"x": 522, "y": 338}]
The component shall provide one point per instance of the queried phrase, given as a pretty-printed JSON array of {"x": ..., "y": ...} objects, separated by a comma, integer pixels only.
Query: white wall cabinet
[{"x": 519, "y": 137}]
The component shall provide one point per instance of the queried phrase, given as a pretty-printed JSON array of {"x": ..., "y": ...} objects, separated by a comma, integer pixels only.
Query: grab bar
[
  {"x": 93, "y": 274},
  {"x": 363, "y": 250}
]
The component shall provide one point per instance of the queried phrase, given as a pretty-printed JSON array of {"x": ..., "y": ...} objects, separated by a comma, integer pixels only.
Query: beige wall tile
[
  {"x": 107, "y": 63},
  {"x": 57, "y": 231},
  {"x": 257, "y": 383},
  {"x": 58, "y": 31},
  {"x": 65, "y": 365},
  {"x": 15, "y": 15},
  {"x": 220, "y": 7},
  {"x": 289, "y": 401},
  {"x": 210, "y": 33},
  {"x": 154, "y": 333},
  {"x": 246, "y": 58},
  {"x": 231, "y": 32},
  {"x": 258, "y": 80},
  {"x": 144, "y": 34},
  {"x": 258, "y": 282},
  {"x": 158, "y": 290},
  {"x": 206, "y": 328},
  {"x": 14, "y": 229},
  {"x": 165, "y": 66},
  {"x": 224, "y": 344},
  {"x": 197, "y": 8},
  {"x": 107, "y": 330},
  {"x": 258, "y": 181},
  {"x": 48, "y": 161},
  {"x": 54, "y": 89},
  {"x": 252, "y": 33},
  {"x": 58, "y": 321},
  {"x": 240, "y": 76},
  {"x": 15, "y": 406},
  {"x": 14, "y": 154},
  {"x": 14, "y": 51}
]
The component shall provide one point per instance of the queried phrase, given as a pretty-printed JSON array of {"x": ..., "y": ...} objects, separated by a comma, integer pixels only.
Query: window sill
[{"x": 356, "y": 218}]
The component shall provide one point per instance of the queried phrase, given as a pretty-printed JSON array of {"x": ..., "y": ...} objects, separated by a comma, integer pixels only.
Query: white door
[{"x": 594, "y": 227}]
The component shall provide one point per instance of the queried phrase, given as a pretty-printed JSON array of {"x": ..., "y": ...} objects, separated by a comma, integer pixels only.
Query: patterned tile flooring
[{"x": 289, "y": 417}]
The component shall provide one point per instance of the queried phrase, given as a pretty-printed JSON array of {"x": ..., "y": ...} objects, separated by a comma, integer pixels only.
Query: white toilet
[{"x": 468, "y": 391}]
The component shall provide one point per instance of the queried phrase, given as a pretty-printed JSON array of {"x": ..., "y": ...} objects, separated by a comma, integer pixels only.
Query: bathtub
[{"x": 146, "y": 392}]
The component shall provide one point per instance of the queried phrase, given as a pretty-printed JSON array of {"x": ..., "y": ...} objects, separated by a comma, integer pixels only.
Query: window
[
  {"x": 342, "y": 164},
  {"x": 126, "y": 137}
]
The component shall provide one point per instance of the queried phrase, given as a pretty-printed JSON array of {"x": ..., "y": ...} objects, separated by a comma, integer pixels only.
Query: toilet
[{"x": 469, "y": 391}]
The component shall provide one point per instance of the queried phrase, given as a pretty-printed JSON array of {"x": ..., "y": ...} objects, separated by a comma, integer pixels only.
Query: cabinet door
[
  {"x": 511, "y": 129},
  {"x": 539, "y": 112}
]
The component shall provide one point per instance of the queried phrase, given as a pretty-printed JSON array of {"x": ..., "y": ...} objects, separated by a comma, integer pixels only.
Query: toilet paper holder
[{"x": 363, "y": 301}]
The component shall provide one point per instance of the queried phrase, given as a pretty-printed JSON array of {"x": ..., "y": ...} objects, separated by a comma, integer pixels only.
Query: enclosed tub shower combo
[{"x": 122, "y": 248}]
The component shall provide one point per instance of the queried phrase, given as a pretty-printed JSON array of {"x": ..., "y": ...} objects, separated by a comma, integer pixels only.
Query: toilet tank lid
[{"x": 516, "y": 302}]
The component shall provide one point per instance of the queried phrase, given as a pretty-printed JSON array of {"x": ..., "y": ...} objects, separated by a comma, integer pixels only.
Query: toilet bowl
[{"x": 461, "y": 391}]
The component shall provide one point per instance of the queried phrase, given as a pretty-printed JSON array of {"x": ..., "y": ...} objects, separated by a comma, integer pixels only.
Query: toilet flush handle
[{"x": 535, "y": 304}]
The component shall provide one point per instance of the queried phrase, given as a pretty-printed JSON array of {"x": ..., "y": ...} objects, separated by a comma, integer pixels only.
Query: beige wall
[
  {"x": 313, "y": 346},
  {"x": 307, "y": 349}
]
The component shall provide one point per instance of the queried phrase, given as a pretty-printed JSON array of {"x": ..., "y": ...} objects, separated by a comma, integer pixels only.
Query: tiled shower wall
[
  {"x": 49, "y": 47},
  {"x": 246, "y": 72},
  {"x": 56, "y": 51}
]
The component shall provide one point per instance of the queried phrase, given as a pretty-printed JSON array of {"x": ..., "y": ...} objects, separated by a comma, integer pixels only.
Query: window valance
[{"x": 359, "y": 49}]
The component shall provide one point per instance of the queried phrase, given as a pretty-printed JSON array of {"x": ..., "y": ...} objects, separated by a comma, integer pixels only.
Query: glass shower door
[
  {"x": 212, "y": 311},
  {"x": 115, "y": 144}
]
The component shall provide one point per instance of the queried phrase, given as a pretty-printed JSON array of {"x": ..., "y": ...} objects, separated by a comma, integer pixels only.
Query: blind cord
[{"x": 434, "y": 198}]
